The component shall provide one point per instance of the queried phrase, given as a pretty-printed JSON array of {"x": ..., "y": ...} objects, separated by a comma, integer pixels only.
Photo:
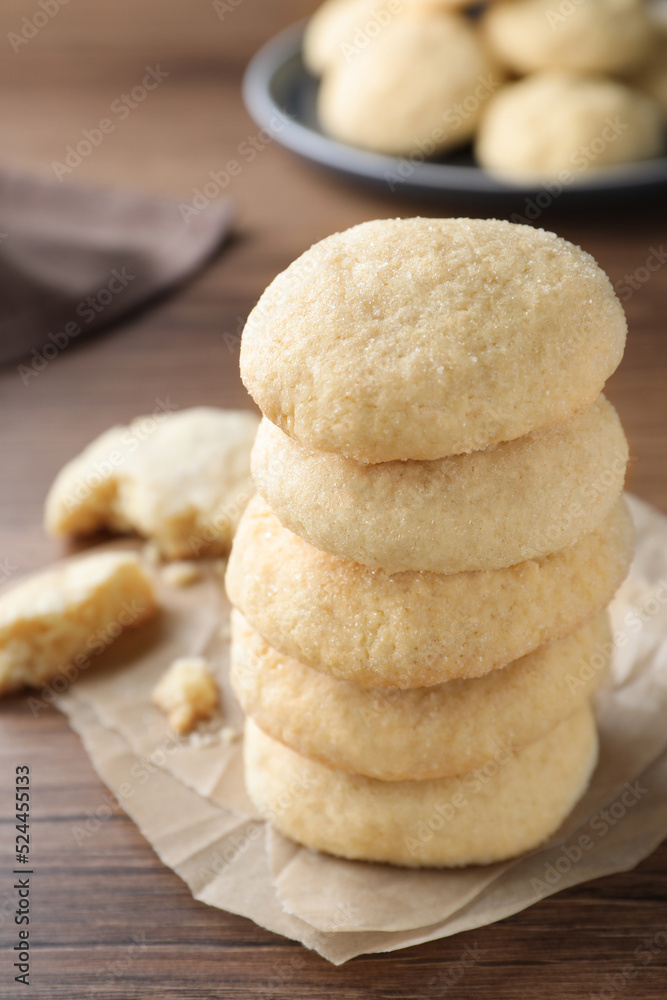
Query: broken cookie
[
  {"x": 180, "y": 479},
  {"x": 53, "y": 624}
]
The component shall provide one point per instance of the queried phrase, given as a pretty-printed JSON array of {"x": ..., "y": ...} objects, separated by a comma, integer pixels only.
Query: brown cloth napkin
[{"x": 75, "y": 258}]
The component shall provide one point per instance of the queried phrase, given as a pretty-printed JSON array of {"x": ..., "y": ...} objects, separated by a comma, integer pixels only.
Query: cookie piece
[
  {"x": 486, "y": 510},
  {"x": 187, "y": 693},
  {"x": 559, "y": 125},
  {"x": 415, "y": 629},
  {"x": 431, "y": 732},
  {"x": 593, "y": 36},
  {"x": 508, "y": 806},
  {"x": 54, "y": 623},
  {"x": 422, "y": 338},
  {"x": 181, "y": 479},
  {"x": 418, "y": 86}
]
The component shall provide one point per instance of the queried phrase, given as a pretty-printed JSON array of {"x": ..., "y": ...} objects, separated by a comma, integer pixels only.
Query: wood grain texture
[{"x": 110, "y": 920}]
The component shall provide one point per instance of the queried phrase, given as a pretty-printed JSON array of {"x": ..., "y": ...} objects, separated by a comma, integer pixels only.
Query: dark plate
[{"x": 281, "y": 95}]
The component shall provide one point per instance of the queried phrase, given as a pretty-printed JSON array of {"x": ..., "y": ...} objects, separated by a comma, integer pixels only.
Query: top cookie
[{"x": 422, "y": 338}]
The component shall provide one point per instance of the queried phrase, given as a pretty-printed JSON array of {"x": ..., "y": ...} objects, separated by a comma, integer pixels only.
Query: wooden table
[{"x": 92, "y": 904}]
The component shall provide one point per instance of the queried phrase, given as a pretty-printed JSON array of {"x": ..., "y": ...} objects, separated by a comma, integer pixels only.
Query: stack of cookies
[{"x": 420, "y": 585}]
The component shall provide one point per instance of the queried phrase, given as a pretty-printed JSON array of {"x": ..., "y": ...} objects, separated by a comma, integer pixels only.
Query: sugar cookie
[
  {"x": 417, "y": 86},
  {"x": 429, "y": 732},
  {"x": 486, "y": 510},
  {"x": 558, "y": 125},
  {"x": 413, "y": 629},
  {"x": 592, "y": 36},
  {"x": 509, "y": 806},
  {"x": 339, "y": 28},
  {"x": 422, "y": 338}
]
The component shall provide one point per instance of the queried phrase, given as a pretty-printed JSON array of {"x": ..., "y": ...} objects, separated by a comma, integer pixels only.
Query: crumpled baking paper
[{"x": 187, "y": 796}]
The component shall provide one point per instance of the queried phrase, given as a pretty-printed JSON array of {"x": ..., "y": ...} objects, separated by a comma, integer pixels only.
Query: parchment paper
[{"x": 187, "y": 795}]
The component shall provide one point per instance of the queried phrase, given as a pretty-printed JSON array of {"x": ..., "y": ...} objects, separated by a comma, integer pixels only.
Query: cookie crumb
[
  {"x": 181, "y": 573},
  {"x": 229, "y": 735},
  {"x": 208, "y": 737},
  {"x": 187, "y": 693}
]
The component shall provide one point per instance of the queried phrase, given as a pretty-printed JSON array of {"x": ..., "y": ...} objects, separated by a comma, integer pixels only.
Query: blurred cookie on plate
[
  {"x": 557, "y": 123},
  {"x": 330, "y": 32},
  {"x": 592, "y": 36},
  {"x": 418, "y": 87}
]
